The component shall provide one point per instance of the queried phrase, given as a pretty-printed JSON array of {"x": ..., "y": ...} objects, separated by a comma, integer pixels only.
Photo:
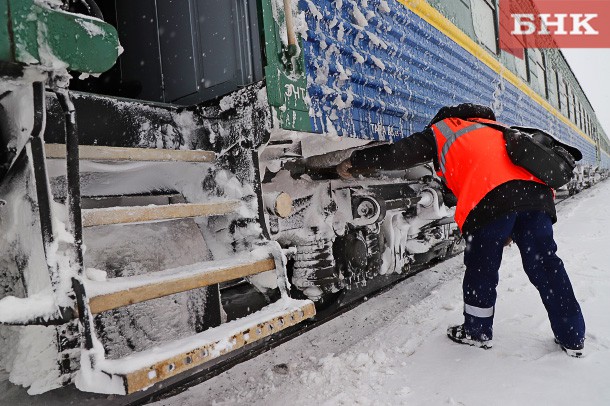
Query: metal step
[
  {"x": 140, "y": 214},
  {"x": 119, "y": 292},
  {"x": 144, "y": 369},
  {"x": 100, "y": 202},
  {"x": 99, "y": 153}
]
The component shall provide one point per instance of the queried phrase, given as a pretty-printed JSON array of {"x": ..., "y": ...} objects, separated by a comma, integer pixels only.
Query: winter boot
[
  {"x": 572, "y": 352},
  {"x": 459, "y": 335}
]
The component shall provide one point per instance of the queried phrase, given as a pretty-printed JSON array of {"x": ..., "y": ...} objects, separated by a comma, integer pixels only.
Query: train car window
[
  {"x": 583, "y": 119},
  {"x": 458, "y": 12},
  {"x": 545, "y": 84},
  {"x": 572, "y": 104},
  {"x": 568, "y": 101},
  {"x": 586, "y": 123},
  {"x": 564, "y": 98},
  {"x": 560, "y": 101},
  {"x": 586, "y": 120},
  {"x": 521, "y": 66},
  {"x": 537, "y": 71},
  {"x": 551, "y": 87},
  {"x": 484, "y": 22}
]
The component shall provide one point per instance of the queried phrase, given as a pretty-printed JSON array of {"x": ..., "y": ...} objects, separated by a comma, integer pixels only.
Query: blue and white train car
[{"x": 380, "y": 70}]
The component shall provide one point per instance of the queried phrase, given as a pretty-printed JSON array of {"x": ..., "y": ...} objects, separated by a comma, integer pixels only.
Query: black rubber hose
[{"x": 93, "y": 8}]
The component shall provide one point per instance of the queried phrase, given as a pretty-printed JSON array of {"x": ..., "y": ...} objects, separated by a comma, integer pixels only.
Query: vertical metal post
[
  {"x": 40, "y": 170},
  {"x": 74, "y": 208},
  {"x": 73, "y": 172},
  {"x": 212, "y": 316},
  {"x": 44, "y": 199}
]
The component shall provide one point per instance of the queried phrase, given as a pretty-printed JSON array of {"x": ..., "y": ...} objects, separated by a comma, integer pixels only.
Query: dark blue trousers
[{"x": 532, "y": 231}]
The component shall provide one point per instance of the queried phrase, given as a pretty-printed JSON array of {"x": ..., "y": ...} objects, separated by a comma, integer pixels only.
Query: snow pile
[
  {"x": 35, "y": 364},
  {"x": 14, "y": 309},
  {"x": 393, "y": 349},
  {"x": 50, "y": 4},
  {"x": 92, "y": 29}
]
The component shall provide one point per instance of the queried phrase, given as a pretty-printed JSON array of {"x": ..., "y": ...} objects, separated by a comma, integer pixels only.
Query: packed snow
[{"x": 393, "y": 349}]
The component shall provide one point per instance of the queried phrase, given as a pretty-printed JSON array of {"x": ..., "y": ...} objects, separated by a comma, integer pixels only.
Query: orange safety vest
[{"x": 473, "y": 161}]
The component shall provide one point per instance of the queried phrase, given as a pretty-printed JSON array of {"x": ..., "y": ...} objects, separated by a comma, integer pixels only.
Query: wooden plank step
[
  {"x": 124, "y": 291},
  {"x": 140, "y": 214},
  {"x": 100, "y": 153},
  {"x": 140, "y": 371}
]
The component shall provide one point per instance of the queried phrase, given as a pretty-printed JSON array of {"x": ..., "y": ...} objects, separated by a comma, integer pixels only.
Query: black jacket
[{"x": 420, "y": 148}]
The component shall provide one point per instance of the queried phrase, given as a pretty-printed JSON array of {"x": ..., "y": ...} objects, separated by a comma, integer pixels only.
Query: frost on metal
[
  {"x": 351, "y": 54},
  {"x": 28, "y": 354},
  {"x": 230, "y": 129},
  {"x": 322, "y": 214}
]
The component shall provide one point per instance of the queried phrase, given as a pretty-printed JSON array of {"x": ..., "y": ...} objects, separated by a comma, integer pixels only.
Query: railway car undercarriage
[{"x": 346, "y": 233}]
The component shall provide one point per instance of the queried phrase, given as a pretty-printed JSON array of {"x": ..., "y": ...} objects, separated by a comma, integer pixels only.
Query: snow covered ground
[{"x": 393, "y": 349}]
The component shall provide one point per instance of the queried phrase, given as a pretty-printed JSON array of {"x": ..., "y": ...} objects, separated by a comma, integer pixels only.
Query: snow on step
[
  {"x": 15, "y": 310},
  {"x": 140, "y": 371},
  {"x": 118, "y": 292},
  {"x": 139, "y": 214},
  {"x": 99, "y": 153}
]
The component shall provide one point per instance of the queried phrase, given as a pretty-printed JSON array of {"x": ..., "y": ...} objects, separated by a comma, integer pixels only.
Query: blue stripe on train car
[{"x": 388, "y": 79}]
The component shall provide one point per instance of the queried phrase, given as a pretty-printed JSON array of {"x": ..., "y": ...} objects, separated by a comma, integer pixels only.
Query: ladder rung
[
  {"x": 140, "y": 214},
  {"x": 120, "y": 292},
  {"x": 100, "y": 153},
  {"x": 142, "y": 370}
]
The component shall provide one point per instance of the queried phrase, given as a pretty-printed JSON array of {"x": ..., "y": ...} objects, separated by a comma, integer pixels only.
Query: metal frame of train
[{"x": 166, "y": 209}]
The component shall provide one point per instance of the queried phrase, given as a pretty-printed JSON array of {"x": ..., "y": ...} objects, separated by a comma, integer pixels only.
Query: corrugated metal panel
[{"x": 408, "y": 70}]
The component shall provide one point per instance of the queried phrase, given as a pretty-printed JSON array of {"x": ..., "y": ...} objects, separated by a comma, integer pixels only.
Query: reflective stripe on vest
[{"x": 451, "y": 136}]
